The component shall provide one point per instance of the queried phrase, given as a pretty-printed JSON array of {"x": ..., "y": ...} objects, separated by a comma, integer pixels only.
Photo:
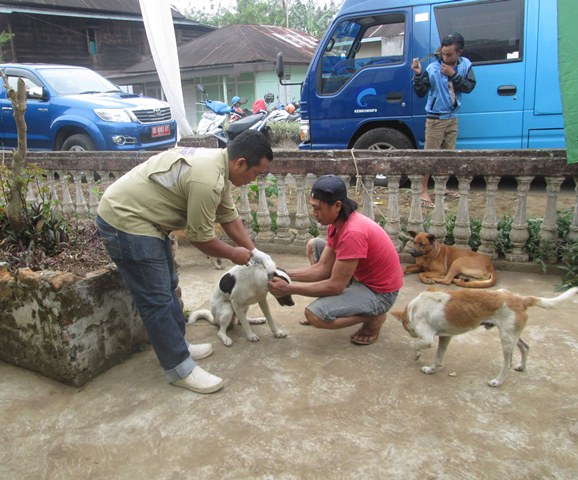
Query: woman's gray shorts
[{"x": 356, "y": 299}]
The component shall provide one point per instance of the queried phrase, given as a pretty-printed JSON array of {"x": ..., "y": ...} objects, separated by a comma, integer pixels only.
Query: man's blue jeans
[{"x": 148, "y": 269}]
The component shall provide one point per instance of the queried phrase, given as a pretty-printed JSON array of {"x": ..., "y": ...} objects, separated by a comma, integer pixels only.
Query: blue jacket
[{"x": 433, "y": 82}]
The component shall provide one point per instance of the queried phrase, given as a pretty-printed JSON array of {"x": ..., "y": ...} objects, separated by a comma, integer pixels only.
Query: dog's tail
[
  {"x": 547, "y": 303},
  {"x": 471, "y": 283},
  {"x": 206, "y": 314}
]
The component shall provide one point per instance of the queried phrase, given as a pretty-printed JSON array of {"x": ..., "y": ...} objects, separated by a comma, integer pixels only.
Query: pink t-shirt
[{"x": 362, "y": 238}]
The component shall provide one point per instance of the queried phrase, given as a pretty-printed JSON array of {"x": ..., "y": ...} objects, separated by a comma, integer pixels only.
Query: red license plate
[{"x": 160, "y": 131}]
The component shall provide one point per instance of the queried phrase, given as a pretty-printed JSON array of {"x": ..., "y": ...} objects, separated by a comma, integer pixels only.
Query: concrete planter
[{"x": 67, "y": 327}]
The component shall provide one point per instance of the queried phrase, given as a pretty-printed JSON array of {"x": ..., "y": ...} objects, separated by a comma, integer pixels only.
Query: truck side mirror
[
  {"x": 37, "y": 93},
  {"x": 279, "y": 66}
]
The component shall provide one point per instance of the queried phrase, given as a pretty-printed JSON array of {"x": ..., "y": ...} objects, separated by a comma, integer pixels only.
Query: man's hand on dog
[
  {"x": 264, "y": 259},
  {"x": 241, "y": 256},
  {"x": 279, "y": 287}
]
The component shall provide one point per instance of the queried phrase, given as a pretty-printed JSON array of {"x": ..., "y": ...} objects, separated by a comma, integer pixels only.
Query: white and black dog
[{"x": 239, "y": 288}]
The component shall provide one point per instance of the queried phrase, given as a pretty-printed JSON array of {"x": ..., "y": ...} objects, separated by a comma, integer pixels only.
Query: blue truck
[
  {"x": 358, "y": 90},
  {"x": 75, "y": 108}
]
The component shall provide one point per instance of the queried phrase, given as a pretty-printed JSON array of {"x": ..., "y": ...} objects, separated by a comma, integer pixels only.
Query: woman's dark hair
[{"x": 251, "y": 145}]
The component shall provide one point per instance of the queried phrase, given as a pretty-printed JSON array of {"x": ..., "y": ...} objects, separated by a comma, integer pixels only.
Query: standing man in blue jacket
[{"x": 444, "y": 81}]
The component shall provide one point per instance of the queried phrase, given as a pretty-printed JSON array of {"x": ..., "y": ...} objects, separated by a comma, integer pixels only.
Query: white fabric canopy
[{"x": 160, "y": 31}]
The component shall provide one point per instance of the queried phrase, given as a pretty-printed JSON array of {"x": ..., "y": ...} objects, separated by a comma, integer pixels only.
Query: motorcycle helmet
[
  {"x": 235, "y": 99},
  {"x": 290, "y": 108},
  {"x": 269, "y": 97}
]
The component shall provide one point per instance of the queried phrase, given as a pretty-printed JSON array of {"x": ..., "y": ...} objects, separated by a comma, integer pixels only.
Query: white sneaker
[
  {"x": 200, "y": 381},
  {"x": 200, "y": 350}
]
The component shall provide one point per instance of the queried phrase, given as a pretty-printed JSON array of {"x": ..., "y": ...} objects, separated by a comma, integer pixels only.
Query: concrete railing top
[{"x": 347, "y": 162}]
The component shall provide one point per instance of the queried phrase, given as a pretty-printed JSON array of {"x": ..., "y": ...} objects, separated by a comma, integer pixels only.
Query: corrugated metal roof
[{"x": 239, "y": 44}]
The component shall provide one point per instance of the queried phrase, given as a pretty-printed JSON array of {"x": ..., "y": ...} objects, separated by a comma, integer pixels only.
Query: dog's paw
[
  {"x": 494, "y": 382},
  {"x": 280, "y": 334},
  {"x": 428, "y": 370},
  {"x": 520, "y": 368},
  {"x": 253, "y": 338},
  {"x": 225, "y": 339}
]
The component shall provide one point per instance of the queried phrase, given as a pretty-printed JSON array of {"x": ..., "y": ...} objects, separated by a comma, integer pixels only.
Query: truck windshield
[{"x": 75, "y": 81}]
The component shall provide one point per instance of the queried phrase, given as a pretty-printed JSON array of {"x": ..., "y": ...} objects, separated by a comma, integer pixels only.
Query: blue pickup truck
[{"x": 75, "y": 108}]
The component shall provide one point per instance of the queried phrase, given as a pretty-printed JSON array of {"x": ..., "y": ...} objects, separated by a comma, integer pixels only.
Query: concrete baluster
[
  {"x": 80, "y": 205},
  {"x": 67, "y": 203},
  {"x": 245, "y": 210},
  {"x": 367, "y": 196},
  {"x": 549, "y": 228},
  {"x": 265, "y": 233},
  {"x": 489, "y": 230},
  {"x": 393, "y": 221},
  {"x": 573, "y": 233},
  {"x": 462, "y": 230},
  {"x": 415, "y": 220},
  {"x": 519, "y": 232},
  {"x": 438, "y": 221},
  {"x": 302, "y": 222},
  {"x": 283, "y": 235}
]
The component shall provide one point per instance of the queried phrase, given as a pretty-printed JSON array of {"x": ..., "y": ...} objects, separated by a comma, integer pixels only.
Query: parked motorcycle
[
  {"x": 214, "y": 121},
  {"x": 286, "y": 113},
  {"x": 238, "y": 111}
]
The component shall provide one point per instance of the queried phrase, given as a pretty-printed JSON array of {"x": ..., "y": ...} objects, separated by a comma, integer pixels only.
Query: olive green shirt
[{"x": 179, "y": 189}]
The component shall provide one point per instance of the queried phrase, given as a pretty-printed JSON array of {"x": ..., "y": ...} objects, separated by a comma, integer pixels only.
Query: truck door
[
  {"x": 362, "y": 78},
  {"x": 492, "y": 115},
  {"x": 37, "y": 114}
]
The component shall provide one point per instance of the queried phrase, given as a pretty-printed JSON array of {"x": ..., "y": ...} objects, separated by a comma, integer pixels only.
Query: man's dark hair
[
  {"x": 453, "y": 39},
  {"x": 251, "y": 145}
]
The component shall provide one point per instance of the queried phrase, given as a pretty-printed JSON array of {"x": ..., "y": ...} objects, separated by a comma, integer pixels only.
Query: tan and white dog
[
  {"x": 447, "y": 313},
  {"x": 436, "y": 262},
  {"x": 238, "y": 289}
]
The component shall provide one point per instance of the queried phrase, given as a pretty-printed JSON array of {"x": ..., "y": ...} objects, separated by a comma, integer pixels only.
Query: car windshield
[{"x": 77, "y": 81}]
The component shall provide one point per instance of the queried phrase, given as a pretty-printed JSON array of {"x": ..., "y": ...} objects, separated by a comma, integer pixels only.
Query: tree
[
  {"x": 305, "y": 15},
  {"x": 4, "y": 38},
  {"x": 16, "y": 208}
]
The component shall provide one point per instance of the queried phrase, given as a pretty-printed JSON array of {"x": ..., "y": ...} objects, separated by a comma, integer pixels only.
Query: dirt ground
[{"x": 309, "y": 406}]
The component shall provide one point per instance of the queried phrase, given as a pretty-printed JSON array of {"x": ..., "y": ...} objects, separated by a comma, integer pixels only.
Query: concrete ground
[{"x": 309, "y": 406}]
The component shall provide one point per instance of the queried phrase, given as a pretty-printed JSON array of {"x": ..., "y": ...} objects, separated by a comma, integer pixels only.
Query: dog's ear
[
  {"x": 431, "y": 237},
  {"x": 399, "y": 314},
  {"x": 411, "y": 233},
  {"x": 286, "y": 301}
]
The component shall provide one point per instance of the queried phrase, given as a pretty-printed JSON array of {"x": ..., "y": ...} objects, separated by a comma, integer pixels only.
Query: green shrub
[{"x": 284, "y": 134}]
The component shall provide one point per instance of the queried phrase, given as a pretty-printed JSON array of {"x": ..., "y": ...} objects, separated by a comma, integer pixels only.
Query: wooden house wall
[{"x": 53, "y": 39}]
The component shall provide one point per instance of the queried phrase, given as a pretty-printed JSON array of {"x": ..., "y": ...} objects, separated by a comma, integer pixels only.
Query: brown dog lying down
[
  {"x": 440, "y": 263},
  {"x": 452, "y": 312}
]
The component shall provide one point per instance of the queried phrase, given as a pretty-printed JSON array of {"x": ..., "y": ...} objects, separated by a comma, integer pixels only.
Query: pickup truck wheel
[
  {"x": 383, "y": 139},
  {"x": 78, "y": 143}
]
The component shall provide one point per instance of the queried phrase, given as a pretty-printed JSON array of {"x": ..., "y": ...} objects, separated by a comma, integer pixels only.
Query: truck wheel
[
  {"x": 383, "y": 139},
  {"x": 78, "y": 143}
]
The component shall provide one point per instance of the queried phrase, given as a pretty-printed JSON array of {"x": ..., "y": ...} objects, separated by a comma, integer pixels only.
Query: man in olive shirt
[{"x": 180, "y": 189}]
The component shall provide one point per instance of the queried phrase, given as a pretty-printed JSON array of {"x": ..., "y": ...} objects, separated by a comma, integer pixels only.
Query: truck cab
[
  {"x": 358, "y": 90},
  {"x": 75, "y": 108}
]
